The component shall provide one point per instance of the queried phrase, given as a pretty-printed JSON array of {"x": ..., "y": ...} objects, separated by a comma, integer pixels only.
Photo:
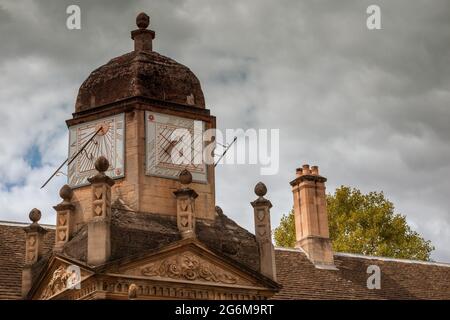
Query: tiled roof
[
  {"x": 12, "y": 255},
  {"x": 133, "y": 233},
  {"x": 400, "y": 279}
]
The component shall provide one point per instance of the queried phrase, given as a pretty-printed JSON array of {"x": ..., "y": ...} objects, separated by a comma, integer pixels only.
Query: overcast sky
[{"x": 371, "y": 108}]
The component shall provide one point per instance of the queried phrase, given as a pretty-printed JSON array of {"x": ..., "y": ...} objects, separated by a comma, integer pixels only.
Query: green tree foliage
[{"x": 365, "y": 224}]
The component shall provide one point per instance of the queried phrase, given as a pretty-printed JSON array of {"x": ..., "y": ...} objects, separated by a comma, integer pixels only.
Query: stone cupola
[{"x": 140, "y": 73}]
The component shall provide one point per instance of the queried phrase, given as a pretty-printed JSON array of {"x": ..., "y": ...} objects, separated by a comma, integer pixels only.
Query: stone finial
[
  {"x": 142, "y": 36},
  {"x": 142, "y": 20},
  {"x": 64, "y": 218},
  {"x": 34, "y": 248},
  {"x": 66, "y": 193},
  {"x": 261, "y": 208},
  {"x": 186, "y": 206},
  {"x": 99, "y": 231},
  {"x": 34, "y": 238},
  {"x": 185, "y": 177},
  {"x": 260, "y": 189},
  {"x": 35, "y": 215},
  {"x": 101, "y": 164}
]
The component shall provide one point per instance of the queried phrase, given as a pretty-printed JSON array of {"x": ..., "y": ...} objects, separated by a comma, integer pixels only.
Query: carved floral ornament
[
  {"x": 57, "y": 283},
  {"x": 188, "y": 266},
  {"x": 64, "y": 277}
]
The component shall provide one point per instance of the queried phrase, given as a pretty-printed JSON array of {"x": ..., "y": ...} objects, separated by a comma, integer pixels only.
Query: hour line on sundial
[{"x": 73, "y": 158}]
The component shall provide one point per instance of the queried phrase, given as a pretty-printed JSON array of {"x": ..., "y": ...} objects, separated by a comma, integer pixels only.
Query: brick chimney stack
[{"x": 311, "y": 217}]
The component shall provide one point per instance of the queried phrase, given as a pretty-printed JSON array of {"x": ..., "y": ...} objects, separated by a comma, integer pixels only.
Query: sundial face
[
  {"x": 109, "y": 142},
  {"x": 163, "y": 144}
]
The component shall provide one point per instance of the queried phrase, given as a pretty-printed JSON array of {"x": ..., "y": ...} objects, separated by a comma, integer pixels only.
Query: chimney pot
[{"x": 306, "y": 169}]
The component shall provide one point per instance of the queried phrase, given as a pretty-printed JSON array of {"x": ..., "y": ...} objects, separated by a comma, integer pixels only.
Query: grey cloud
[{"x": 369, "y": 107}]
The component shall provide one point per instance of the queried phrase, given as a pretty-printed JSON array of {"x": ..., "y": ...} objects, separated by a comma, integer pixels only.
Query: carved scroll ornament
[
  {"x": 189, "y": 267},
  {"x": 57, "y": 283}
]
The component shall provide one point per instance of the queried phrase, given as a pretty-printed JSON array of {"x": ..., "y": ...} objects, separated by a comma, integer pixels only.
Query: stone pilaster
[
  {"x": 99, "y": 224},
  {"x": 311, "y": 217},
  {"x": 186, "y": 206},
  {"x": 34, "y": 248},
  {"x": 64, "y": 218},
  {"x": 263, "y": 233}
]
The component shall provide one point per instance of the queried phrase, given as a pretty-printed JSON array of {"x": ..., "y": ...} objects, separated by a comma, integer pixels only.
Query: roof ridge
[
  {"x": 23, "y": 224},
  {"x": 357, "y": 255}
]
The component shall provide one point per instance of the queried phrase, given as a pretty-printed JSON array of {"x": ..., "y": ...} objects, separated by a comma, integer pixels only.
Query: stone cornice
[{"x": 307, "y": 177}]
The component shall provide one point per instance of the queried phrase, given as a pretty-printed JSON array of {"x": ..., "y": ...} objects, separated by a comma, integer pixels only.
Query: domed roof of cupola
[{"x": 141, "y": 72}]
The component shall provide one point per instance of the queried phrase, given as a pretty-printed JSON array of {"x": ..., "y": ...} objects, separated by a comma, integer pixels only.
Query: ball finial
[
  {"x": 101, "y": 164},
  {"x": 66, "y": 193},
  {"x": 35, "y": 215},
  {"x": 260, "y": 189},
  {"x": 142, "y": 20},
  {"x": 185, "y": 177}
]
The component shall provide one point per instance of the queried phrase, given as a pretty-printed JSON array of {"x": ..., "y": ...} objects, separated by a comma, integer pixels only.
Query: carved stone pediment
[
  {"x": 189, "y": 265},
  {"x": 59, "y": 277}
]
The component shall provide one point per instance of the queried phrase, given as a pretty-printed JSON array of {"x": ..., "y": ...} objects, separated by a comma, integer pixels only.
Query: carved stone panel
[
  {"x": 191, "y": 267},
  {"x": 61, "y": 277}
]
